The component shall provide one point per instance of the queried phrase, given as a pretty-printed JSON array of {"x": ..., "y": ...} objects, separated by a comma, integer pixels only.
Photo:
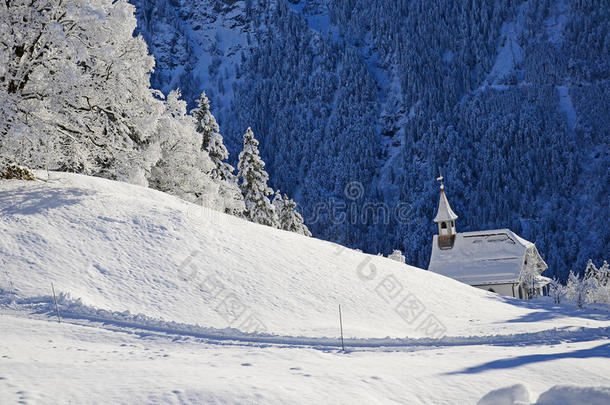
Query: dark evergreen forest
[{"x": 510, "y": 98}]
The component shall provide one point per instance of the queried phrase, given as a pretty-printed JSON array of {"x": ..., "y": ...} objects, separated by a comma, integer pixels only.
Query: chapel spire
[{"x": 445, "y": 219}]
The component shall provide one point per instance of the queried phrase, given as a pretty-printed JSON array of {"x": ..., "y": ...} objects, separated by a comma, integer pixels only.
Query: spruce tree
[
  {"x": 591, "y": 272},
  {"x": 278, "y": 206},
  {"x": 212, "y": 140},
  {"x": 253, "y": 183},
  {"x": 604, "y": 273},
  {"x": 289, "y": 218}
]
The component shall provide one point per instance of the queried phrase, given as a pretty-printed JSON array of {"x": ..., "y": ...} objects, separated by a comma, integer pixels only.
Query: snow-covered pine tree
[
  {"x": 591, "y": 271},
  {"x": 398, "y": 256},
  {"x": 278, "y": 206},
  {"x": 289, "y": 217},
  {"x": 222, "y": 171},
  {"x": 604, "y": 273},
  {"x": 253, "y": 183},
  {"x": 212, "y": 140},
  {"x": 278, "y": 201}
]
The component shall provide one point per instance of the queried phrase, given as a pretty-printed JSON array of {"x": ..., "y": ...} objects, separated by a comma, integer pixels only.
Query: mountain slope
[{"x": 121, "y": 247}]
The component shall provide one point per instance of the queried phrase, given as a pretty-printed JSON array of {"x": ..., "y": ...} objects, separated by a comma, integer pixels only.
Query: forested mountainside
[{"x": 358, "y": 103}]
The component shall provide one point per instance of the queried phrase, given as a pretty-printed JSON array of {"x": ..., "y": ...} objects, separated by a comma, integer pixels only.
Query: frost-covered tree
[
  {"x": 222, "y": 171},
  {"x": 576, "y": 289},
  {"x": 212, "y": 139},
  {"x": 600, "y": 293},
  {"x": 397, "y": 256},
  {"x": 604, "y": 274},
  {"x": 289, "y": 218},
  {"x": 601, "y": 274},
  {"x": 591, "y": 271},
  {"x": 253, "y": 183},
  {"x": 182, "y": 166},
  {"x": 556, "y": 291},
  {"x": 75, "y": 88},
  {"x": 596, "y": 279},
  {"x": 278, "y": 205},
  {"x": 75, "y": 96},
  {"x": 232, "y": 201},
  {"x": 529, "y": 275},
  {"x": 593, "y": 287}
]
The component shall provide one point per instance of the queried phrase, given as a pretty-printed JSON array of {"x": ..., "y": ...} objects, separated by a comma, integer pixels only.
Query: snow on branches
[{"x": 253, "y": 183}]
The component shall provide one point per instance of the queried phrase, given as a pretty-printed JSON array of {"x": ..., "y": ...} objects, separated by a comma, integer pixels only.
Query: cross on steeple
[{"x": 440, "y": 178}]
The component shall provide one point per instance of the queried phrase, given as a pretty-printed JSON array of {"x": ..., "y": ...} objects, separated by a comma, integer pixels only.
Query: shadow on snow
[
  {"x": 544, "y": 311},
  {"x": 602, "y": 351},
  {"x": 38, "y": 199}
]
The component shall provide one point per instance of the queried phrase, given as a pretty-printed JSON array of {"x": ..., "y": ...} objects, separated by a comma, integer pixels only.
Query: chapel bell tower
[{"x": 445, "y": 219}]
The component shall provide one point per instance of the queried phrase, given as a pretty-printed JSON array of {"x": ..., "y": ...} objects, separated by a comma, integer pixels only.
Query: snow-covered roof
[
  {"x": 541, "y": 281},
  {"x": 485, "y": 257},
  {"x": 444, "y": 213}
]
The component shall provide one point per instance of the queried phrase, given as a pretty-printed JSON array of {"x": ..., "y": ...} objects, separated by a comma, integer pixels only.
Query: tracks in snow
[{"x": 77, "y": 314}]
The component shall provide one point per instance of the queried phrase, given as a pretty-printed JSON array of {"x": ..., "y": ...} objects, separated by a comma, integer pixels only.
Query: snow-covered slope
[
  {"x": 116, "y": 247},
  {"x": 121, "y": 247},
  {"x": 86, "y": 364}
]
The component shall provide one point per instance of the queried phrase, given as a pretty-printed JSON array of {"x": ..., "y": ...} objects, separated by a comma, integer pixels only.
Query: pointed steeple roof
[{"x": 444, "y": 213}]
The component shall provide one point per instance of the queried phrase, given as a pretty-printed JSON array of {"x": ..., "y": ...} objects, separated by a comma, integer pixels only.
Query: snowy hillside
[
  {"x": 195, "y": 282},
  {"x": 120, "y": 247}
]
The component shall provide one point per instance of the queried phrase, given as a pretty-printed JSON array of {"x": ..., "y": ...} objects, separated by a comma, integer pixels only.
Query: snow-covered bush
[
  {"x": 557, "y": 291},
  {"x": 576, "y": 289},
  {"x": 601, "y": 294},
  {"x": 593, "y": 287},
  {"x": 398, "y": 256},
  {"x": 597, "y": 282}
]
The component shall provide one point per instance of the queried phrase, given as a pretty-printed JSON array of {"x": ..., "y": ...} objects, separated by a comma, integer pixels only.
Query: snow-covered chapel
[{"x": 495, "y": 260}]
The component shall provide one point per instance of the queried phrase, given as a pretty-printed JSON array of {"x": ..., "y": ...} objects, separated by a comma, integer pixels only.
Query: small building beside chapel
[{"x": 495, "y": 260}]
